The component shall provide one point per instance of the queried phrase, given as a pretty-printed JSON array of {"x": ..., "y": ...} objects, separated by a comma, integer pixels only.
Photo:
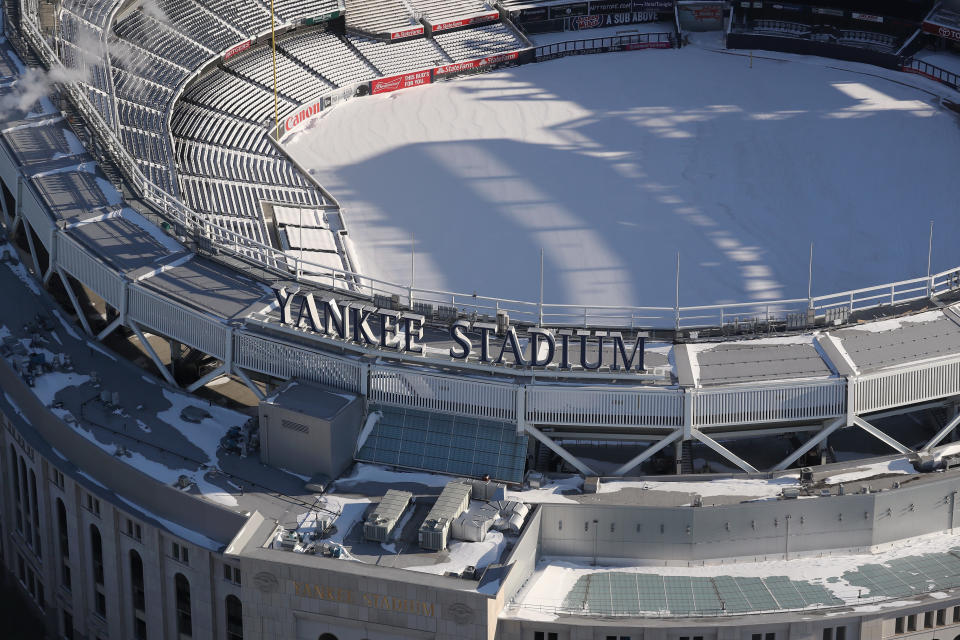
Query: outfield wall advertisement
[
  {"x": 464, "y": 22},
  {"x": 394, "y": 83}
]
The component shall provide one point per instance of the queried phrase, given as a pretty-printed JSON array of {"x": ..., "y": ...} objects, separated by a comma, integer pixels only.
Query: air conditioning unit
[{"x": 503, "y": 322}]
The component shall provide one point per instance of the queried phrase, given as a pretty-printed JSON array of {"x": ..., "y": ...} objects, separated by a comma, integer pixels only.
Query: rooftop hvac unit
[
  {"x": 423, "y": 308},
  {"x": 453, "y": 500},
  {"x": 472, "y": 526},
  {"x": 486, "y": 490},
  {"x": 433, "y": 534},
  {"x": 288, "y": 540},
  {"x": 511, "y": 516},
  {"x": 447, "y": 313},
  {"x": 503, "y": 321},
  {"x": 381, "y": 522}
]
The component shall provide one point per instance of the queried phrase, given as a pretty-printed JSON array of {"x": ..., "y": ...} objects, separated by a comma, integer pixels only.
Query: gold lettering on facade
[{"x": 370, "y": 600}]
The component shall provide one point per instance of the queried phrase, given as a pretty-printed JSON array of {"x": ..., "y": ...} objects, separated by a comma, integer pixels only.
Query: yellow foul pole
[{"x": 273, "y": 37}]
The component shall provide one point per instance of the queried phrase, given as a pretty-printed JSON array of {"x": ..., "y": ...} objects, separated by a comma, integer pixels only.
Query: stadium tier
[
  {"x": 484, "y": 40},
  {"x": 437, "y": 11},
  {"x": 382, "y": 17},
  {"x": 394, "y": 58}
]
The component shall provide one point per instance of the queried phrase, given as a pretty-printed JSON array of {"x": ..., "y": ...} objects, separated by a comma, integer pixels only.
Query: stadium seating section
[{"x": 204, "y": 139}]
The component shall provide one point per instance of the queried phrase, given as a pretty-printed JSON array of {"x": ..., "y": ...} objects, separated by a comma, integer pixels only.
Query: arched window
[
  {"x": 184, "y": 617},
  {"x": 63, "y": 533},
  {"x": 96, "y": 559},
  {"x": 327, "y": 636},
  {"x": 23, "y": 487},
  {"x": 234, "y": 618},
  {"x": 14, "y": 473},
  {"x": 96, "y": 554},
  {"x": 136, "y": 581},
  {"x": 62, "y": 530},
  {"x": 35, "y": 507}
]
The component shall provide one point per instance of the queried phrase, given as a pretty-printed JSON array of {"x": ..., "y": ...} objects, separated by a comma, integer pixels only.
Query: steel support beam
[
  {"x": 560, "y": 451},
  {"x": 7, "y": 220},
  {"x": 240, "y": 373},
  {"x": 210, "y": 377},
  {"x": 822, "y": 435},
  {"x": 74, "y": 302},
  {"x": 110, "y": 328},
  {"x": 28, "y": 230},
  {"x": 758, "y": 433},
  {"x": 646, "y": 453},
  {"x": 723, "y": 451},
  {"x": 943, "y": 433},
  {"x": 880, "y": 435},
  {"x": 153, "y": 354}
]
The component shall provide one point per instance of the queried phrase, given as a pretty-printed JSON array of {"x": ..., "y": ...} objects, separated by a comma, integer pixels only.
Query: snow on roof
[
  {"x": 879, "y": 326},
  {"x": 897, "y": 466},
  {"x": 747, "y": 487},
  {"x": 554, "y": 578}
]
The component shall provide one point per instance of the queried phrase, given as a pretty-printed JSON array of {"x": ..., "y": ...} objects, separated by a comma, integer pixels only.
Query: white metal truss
[
  {"x": 943, "y": 433},
  {"x": 821, "y": 436},
  {"x": 880, "y": 435},
  {"x": 153, "y": 354},
  {"x": 723, "y": 451},
  {"x": 648, "y": 452},
  {"x": 76, "y": 303},
  {"x": 560, "y": 451}
]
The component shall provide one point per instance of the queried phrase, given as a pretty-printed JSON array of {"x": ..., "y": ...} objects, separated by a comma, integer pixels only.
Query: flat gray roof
[
  {"x": 312, "y": 399},
  {"x": 911, "y": 341},
  {"x": 753, "y": 361}
]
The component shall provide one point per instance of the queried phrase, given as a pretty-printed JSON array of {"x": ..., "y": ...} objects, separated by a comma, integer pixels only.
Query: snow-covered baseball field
[{"x": 613, "y": 163}]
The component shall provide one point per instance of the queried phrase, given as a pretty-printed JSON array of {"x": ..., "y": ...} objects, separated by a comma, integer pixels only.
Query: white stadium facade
[{"x": 216, "y": 425}]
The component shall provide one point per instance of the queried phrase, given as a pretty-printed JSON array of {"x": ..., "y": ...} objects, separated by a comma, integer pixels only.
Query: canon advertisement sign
[{"x": 402, "y": 332}]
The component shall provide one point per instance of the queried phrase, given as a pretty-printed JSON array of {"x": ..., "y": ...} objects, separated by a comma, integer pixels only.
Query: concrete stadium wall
[
  {"x": 749, "y": 530},
  {"x": 523, "y": 557},
  {"x": 812, "y": 48}
]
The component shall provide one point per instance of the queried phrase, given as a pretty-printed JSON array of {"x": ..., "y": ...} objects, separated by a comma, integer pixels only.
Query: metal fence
[
  {"x": 920, "y": 67},
  {"x": 907, "y": 385},
  {"x": 605, "y": 406},
  {"x": 165, "y": 316},
  {"x": 630, "y": 42},
  {"x": 286, "y": 361},
  {"x": 769, "y": 403},
  {"x": 93, "y": 273},
  {"x": 447, "y": 393}
]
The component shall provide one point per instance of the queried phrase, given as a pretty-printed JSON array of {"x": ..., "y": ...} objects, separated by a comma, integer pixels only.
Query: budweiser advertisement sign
[
  {"x": 469, "y": 65},
  {"x": 406, "y": 33},
  {"x": 405, "y": 81},
  {"x": 237, "y": 49},
  {"x": 944, "y": 32},
  {"x": 464, "y": 22}
]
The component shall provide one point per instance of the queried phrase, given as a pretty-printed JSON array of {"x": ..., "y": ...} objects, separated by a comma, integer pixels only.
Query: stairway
[{"x": 686, "y": 457}]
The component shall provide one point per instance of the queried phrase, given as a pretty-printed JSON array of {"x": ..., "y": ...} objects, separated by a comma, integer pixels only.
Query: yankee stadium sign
[{"x": 403, "y": 332}]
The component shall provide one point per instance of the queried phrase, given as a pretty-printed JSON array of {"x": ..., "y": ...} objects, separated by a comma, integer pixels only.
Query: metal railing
[
  {"x": 603, "y": 45},
  {"x": 922, "y": 68},
  {"x": 768, "y": 403},
  {"x": 605, "y": 406},
  {"x": 908, "y": 384}
]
